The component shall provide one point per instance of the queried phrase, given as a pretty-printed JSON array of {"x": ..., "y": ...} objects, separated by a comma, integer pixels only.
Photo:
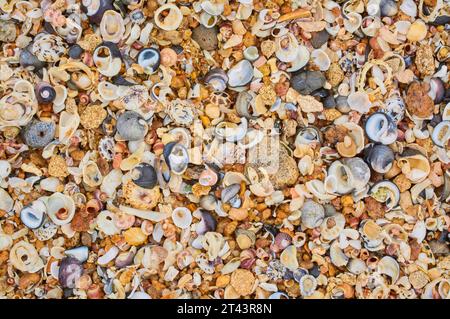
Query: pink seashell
[{"x": 260, "y": 62}]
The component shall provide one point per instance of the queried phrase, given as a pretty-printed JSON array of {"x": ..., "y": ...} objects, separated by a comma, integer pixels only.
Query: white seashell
[
  {"x": 50, "y": 184},
  {"x": 68, "y": 124},
  {"x": 308, "y": 285},
  {"x": 353, "y": 22},
  {"x": 338, "y": 258},
  {"x": 58, "y": 206},
  {"x": 232, "y": 132},
  {"x": 241, "y": 74},
  {"x": 91, "y": 174},
  {"x": 289, "y": 258},
  {"x": 6, "y": 242},
  {"x": 359, "y": 101},
  {"x": 108, "y": 62},
  {"x": 370, "y": 25},
  {"x": 208, "y": 20},
  {"x": 112, "y": 27},
  {"x": 212, "y": 8},
  {"x": 108, "y": 91},
  {"x": 105, "y": 223},
  {"x": 321, "y": 59},
  {"x": 251, "y": 53},
  {"x": 182, "y": 217},
  {"x": 389, "y": 266},
  {"x": 409, "y": 7},
  {"x": 373, "y": 7},
  {"x": 6, "y": 202},
  {"x": 301, "y": 59},
  {"x": 5, "y": 169},
  {"x": 111, "y": 182},
  {"x": 286, "y": 53},
  {"x": 60, "y": 98},
  {"x": 108, "y": 256},
  {"x": 356, "y": 266},
  {"x": 145, "y": 214},
  {"x": 419, "y": 231},
  {"x": 172, "y": 20}
]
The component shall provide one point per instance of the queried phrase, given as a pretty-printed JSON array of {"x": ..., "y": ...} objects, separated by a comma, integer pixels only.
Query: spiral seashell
[
  {"x": 108, "y": 59},
  {"x": 60, "y": 208}
]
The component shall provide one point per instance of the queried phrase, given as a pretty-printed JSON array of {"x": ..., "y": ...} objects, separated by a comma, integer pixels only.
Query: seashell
[
  {"x": 208, "y": 177},
  {"x": 108, "y": 60},
  {"x": 207, "y": 223},
  {"x": 37, "y": 134},
  {"x": 251, "y": 53},
  {"x": 417, "y": 31},
  {"x": 300, "y": 60},
  {"x": 308, "y": 285},
  {"x": 18, "y": 107},
  {"x": 409, "y": 7},
  {"x": 68, "y": 124},
  {"x": 144, "y": 175},
  {"x": 379, "y": 157},
  {"x": 443, "y": 53},
  {"x": 95, "y": 9},
  {"x": 24, "y": 257},
  {"x": 389, "y": 266},
  {"x": 81, "y": 253},
  {"x": 381, "y": 128},
  {"x": 231, "y": 132},
  {"x": 359, "y": 101},
  {"x": 70, "y": 271},
  {"x": 112, "y": 26},
  {"x": 388, "y": 8},
  {"x": 60, "y": 208},
  {"x": 245, "y": 238},
  {"x": 5, "y": 169},
  {"x": 441, "y": 134},
  {"x": 106, "y": 148},
  {"x": 105, "y": 223},
  {"x": 182, "y": 217},
  {"x": 308, "y": 135},
  {"x": 346, "y": 176},
  {"x": 288, "y": 258},
  {"x": 60, "y": 98},
  {"x": 286, "y": 48},
  {"x": 207, "y": 20},
  {"x": 437, "y": 90},
  {"x": 48, "y": 47},
  {"x": 419, "y": 231},
  {"x": 149, "y": 59},
  {"x": 332, "y": 227},
  {"x": 33, "y": 216},
  {"x": 356, "y": 266},
  {"x": 352, "y": 22},
  {"x": 251, "y": 139},
  {"x": 125, "y": 259},
  {"x": 45, "y": 93},
  {"x": 176, "y": 157},
  {"x": 6, "y": 202},
  {"x": 170, "y": 21},
  {"x": 386, "y": 192},
  {"x": 217, "y": 79},
  {"x": 415, "y": 167},
  {"x": 321, "y": 59},
  {"x": 181, "y": 112},
  {"x": 131, "y": 126},
  {"x": 337, "y": 256},
  {"x": 370, "y": 25},
  {"x": 240, "y": 74},
  {"x": 91, "y": 174},
  {"x": 312, "y": 214}
]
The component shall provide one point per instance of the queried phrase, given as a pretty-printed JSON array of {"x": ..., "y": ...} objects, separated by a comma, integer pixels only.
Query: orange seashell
[
  {"x": 299, "y": 13},
  {"x": 168, "y": 57}
]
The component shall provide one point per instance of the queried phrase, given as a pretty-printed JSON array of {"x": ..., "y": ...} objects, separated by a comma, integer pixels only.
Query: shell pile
[{"x": 224, "y": 149}]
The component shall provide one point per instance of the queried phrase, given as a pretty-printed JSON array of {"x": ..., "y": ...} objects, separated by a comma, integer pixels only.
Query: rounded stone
[
  {"x": 38, "y": 134},
  {"x": 307, "y": 82},
  {"x": 131, "y": 126},
  {"x": 319, "y": 38},
  {"x": 205, "y": 37}
]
